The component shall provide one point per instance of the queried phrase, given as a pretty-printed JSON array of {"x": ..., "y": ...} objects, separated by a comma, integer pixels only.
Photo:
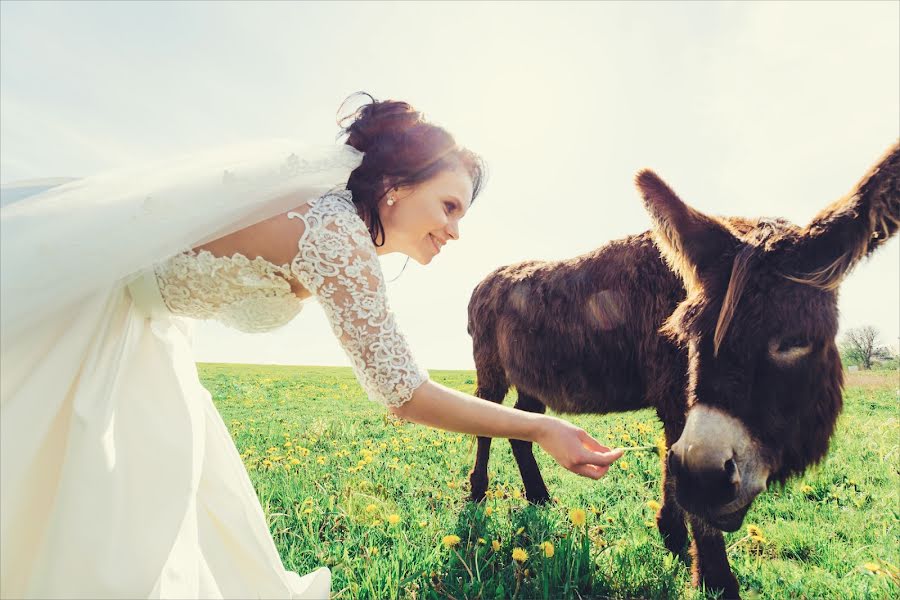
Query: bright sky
[{"x": 747, "y": 109}]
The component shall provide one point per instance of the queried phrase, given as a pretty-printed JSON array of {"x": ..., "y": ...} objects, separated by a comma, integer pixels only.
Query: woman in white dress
[{"x": 119, "y": 479}]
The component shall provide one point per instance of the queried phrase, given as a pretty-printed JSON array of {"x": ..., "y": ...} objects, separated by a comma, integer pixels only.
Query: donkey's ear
[
  {"x": 691, "y": 242},
  {"x": 851, "y": 228}
]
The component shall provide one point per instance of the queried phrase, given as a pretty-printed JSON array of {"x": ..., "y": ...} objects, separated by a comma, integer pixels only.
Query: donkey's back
[{"x": 579, "y": 335}]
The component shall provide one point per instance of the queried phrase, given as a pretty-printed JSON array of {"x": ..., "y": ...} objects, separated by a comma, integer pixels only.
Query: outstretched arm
[
  {"x": 437, "y": 406},
  {"x": 338, "y": 264}
]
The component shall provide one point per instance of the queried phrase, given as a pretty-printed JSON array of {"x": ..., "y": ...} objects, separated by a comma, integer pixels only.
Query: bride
[{"x": 119, "y": 478}]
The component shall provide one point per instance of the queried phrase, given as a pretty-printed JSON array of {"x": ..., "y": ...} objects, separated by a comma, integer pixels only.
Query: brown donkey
[{"x": 725, "y": 326}]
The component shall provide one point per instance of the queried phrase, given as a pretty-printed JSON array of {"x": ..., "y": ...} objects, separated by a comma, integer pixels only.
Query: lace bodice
[
  {"x": 248, "y": 295},
  {"x": 337, "y": 263}
]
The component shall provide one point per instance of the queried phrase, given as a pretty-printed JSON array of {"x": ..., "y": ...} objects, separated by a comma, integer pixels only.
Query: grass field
[{"x": 382, "y": 503}]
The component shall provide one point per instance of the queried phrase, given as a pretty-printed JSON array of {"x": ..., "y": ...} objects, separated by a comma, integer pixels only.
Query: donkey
[{"x": 725, "y": 326}]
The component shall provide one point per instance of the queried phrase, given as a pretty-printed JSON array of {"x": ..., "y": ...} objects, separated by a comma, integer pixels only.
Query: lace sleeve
[{"x": 337, "y": 263}]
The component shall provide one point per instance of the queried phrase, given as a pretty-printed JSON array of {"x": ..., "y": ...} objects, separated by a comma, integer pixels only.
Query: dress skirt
[{"x": 119, "y": 477}]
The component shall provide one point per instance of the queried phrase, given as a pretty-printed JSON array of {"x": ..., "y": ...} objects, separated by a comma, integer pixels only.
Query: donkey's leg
[
  {"x": 478, "y": 477},
  {"x": 710, "y": 562},
  {"x": 535, "y": 490},
  {"x": 671, "y": 518},
  {"x": 492, "y": 386}
]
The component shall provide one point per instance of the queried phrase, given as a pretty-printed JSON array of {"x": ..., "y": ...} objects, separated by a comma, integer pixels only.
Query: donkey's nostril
[
  {"x": 731, "y": 471},
  {"x": 672, "y": 462}
]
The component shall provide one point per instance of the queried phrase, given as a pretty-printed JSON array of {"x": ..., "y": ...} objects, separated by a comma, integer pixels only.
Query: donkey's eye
[
  {"x": 789, "y": 343},
  {"x": 788, "y": 350}
]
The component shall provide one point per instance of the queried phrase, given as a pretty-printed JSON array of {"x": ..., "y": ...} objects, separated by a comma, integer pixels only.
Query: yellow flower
[
  {"x": 871, "y": 567},
  {"x": 661, "y": 446},
  {"x": 450, "y": 540},
  {"x": 393, "y": 519},
  {"x": 423, "y": 523},
  {"x": 371, "y": 508},
  {"x": 373, "y": 550},
  {"x": 653, "y": 505},
  {"x": 755, "y": 533},
  {"x": 481, "y": 541},
  {"x": 577, "y": 516},
  {"x": 488, "y": 511},
  {"x": 294, "y": 461},
  {"x": 548, "y": 549},
  {"x": 321, "y": 460},
  {"x": 517, "y": 494},
  {"x": 806, "y": 489},
  {"x": 376, "y": 522},
  {"x": 495, "y": 545},
  {"x": 623, "y": 464},
  {"x": 520, "y": 531},
  {"x": 307, "y": 511},
  {"x": 519, "y": 555}
]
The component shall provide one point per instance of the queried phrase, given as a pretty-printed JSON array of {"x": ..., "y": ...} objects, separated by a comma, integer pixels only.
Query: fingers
[
  {"x": 602, "y": 459},
  {"x": 590, "y": 471},
  {"x": 590, "y": 443}
]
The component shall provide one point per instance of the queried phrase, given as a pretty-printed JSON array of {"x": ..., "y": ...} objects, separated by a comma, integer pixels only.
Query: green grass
[{"x": 330, "y": 468}]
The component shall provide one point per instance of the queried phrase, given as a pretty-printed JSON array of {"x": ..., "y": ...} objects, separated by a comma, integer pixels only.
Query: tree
[{"x": 861, "y": 346}]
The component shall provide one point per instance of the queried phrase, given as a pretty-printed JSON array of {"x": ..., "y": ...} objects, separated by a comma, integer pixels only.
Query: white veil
[{"x": 62, "y": 244}]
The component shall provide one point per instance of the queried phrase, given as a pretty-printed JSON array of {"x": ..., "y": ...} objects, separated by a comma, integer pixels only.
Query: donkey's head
[{"x": 759, "y": 324}]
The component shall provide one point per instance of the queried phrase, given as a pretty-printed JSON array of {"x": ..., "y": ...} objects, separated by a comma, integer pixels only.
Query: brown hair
[{"x": 400, "y": 149}]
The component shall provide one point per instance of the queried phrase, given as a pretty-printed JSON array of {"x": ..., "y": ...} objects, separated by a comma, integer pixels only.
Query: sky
[{"x": 752, "y": 109}]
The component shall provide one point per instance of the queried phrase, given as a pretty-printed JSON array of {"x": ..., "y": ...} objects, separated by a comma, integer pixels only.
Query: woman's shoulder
[{"x": 330, "y": 214}]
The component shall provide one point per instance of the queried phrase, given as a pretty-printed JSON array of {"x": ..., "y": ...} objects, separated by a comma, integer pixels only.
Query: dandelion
[
  {"x": 321, "y": 460},
  {"x": 806, "y": 489},
  {"x": 307, "y": 511},
  {"x": 520, "y": 531},
  {"x": 577, "y": 516},
  {"x": 872, "y": 567},
  {"x": 653, "y": 505},
  {"x": 519, "y": 555},
  {"x": 393, "y": 519},
  {"x": 495, "y": 544},
  {"x": 450, "y": 540},
  {"x": 661, "y": 446},
  {"x": 294, "y": 461},
  {"x": 488, "y": 511},
  {"x": 481, "y": 542},
  {"x": 548, "y": 549},
  {"x": 371, "y": 508},
  {"x": 623, "y": 464},
  {"x": 517, "y": 494},
  {"x": 423, "y": 524},
  {"x": 755, "y": 533},
  {"x": 373, "y": 551}
]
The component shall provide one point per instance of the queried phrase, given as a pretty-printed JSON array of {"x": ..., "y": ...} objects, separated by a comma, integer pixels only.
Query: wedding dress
[{"x": 119, "y": 478}]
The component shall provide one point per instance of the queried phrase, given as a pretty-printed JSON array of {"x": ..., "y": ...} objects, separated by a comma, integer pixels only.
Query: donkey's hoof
[
  {"x": 477, "y": 496},
  {"x": 539, "y": 500}
]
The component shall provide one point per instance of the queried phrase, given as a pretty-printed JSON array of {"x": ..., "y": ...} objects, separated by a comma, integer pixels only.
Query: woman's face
[{"x": 425, "y": 216}]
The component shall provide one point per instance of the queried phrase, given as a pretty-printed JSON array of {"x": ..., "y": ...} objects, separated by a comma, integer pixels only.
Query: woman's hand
[{"x": 574, "y": 449}]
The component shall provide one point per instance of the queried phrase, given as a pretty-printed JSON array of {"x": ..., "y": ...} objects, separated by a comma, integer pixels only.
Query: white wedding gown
[{"x": 119, "y": 478}]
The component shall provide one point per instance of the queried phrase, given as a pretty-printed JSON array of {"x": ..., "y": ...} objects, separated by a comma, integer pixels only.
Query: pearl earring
[{"x": 390, "y": 201}]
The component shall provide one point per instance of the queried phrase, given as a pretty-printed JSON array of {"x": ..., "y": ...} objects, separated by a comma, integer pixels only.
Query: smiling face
[{"x": 425, "y": 216}]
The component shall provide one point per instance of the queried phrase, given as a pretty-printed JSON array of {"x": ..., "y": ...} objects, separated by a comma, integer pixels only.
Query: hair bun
[{"x": 377, "y": 121}]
